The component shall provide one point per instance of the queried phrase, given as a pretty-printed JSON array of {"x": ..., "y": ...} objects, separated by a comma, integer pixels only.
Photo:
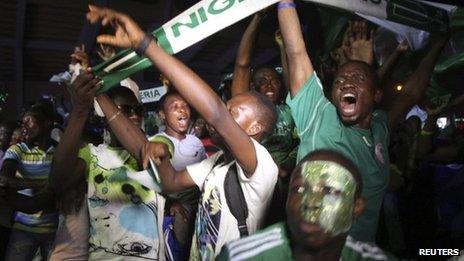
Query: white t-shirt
[
  {"x": 215, "y": 225},
  {"x": 125, "y": 216},
  {"x": 186, "y": 151},
  {"x": 417, "y": 111}
]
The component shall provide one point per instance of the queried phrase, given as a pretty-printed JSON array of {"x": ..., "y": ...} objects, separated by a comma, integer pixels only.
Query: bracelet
[
  {"x": 285, "y": 5},
  {"x": 143, "y": 45},
  {"x": 426, "y": 133},
  {"x": 114, "y": 116}
]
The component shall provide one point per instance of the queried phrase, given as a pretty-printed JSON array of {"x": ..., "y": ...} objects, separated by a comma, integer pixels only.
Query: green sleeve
[
  {"x": 308, "y": 104},
  {"x": 165, "y": 140},
  {"x": 224, "y": 255}
]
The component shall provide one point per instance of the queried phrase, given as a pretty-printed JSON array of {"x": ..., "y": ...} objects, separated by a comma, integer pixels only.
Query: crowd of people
[{"x": 305, "y": 164}]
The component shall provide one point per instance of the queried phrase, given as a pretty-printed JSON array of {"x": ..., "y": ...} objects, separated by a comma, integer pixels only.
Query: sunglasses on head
[{"x": 132, "y": 109}]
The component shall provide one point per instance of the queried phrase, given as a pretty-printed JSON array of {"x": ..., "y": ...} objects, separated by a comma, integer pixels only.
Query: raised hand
[
  {"x": 128, "y": 33},
  {"x": 85, "y": 87},
  {"x": 106, "y": 52},
  {"x": 358, "y": 43},
  {"x": 80, "y": 56},
  {"x": 403, "y": 46}
]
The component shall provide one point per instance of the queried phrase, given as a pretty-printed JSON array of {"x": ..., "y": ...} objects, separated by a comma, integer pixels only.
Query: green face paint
[{"x": 327, "y": 196}]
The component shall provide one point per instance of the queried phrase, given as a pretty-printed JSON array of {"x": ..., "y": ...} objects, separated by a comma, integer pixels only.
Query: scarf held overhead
[{"x": 210, "y": 16}]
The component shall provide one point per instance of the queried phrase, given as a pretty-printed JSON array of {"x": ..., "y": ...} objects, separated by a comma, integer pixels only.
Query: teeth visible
[
  {"x": 269, "y": 93},
  {"x": 348, "y": 95}
]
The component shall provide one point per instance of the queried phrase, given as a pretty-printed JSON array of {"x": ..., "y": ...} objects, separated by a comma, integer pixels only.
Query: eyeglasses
[{"x": 138, "y": 109}]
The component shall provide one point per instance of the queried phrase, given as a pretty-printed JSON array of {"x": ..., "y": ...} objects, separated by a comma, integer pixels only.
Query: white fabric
[
  {"x": 121, "y": 228},
  {"x": 417, "y": 111},
  {"x": 72, "y": 236},
  {"x": 214, "y": 223},
  {"x": 186, "y": 151}
]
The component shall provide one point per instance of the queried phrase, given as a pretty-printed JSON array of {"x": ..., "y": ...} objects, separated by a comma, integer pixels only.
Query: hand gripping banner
[
  {"x": 193, "y": 25},
  {"x": 415, "y": 13},
  {"x": 210, "y": 16}
]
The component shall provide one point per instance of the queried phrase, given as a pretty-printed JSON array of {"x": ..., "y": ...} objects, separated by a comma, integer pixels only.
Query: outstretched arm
[
  {"x": 195, "y": 91},
  {"x": 283, "y": 58},
  {"x": 65, "y": 158},
  {"x": 42, "y": 201},
  {"x": 389, "y": 64},
  {"x": 300, "y": 67},
  {"x": 242, "y": 69},
  {"x": 416, "y": 85}
]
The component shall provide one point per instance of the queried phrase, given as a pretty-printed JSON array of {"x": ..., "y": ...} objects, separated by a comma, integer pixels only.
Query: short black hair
[
  {"x": 163, "y": 100},
  {"x": 372, "y": 73},
  {"x": 265, "y": 113},
  {"x": 261, "y": 68},
  {"x": 41, "y": 112},
  {"x": 337, "y": 157},
  {"x": 121, "y": 92}
]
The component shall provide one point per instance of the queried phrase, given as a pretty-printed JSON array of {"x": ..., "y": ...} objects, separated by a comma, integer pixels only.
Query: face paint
[{"x": 327, "y": 196}]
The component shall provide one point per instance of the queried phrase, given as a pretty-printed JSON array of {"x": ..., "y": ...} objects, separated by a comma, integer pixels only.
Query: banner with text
[
  {"x": 193, "y": 25},
  {"x": 153, "y": 94}
]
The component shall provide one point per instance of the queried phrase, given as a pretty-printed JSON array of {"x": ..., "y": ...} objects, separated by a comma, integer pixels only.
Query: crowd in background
[{"x": 68, "y": 178}]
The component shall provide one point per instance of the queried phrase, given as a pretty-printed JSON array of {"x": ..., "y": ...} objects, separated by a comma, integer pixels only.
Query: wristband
[
  {"x": 114, "y": 116},
  {"x": 142, "y": 47},
  {"x": 426, "y": 133},
  {"x": 285, "y": 5}
]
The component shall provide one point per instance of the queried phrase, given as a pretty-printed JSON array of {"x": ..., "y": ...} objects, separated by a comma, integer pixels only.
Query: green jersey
[
  {"x": 269, "y": 244},
  {"x": 319, "y": 127},
  {"x": 281, "y": 143},
  {"x": 273, "y": 243}
]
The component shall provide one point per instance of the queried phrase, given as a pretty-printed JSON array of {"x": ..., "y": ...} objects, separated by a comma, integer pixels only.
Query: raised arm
[
  {"x": 130, "y": 137},
  {"x": 283, "y": 58},
  {"x": 389, "y": 64},
  {"x": 416, "y": 85},
  {"x": 299, "y": 64},
  {"x": 67, "y": 169},
  {"x": 195, "y": 91},
  {"x": 242, "y": 69}
]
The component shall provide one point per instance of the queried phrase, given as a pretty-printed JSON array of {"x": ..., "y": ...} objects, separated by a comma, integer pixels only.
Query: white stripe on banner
[
  {"x": 377, "y": 8},
  {"x": 208, "y": 17}
]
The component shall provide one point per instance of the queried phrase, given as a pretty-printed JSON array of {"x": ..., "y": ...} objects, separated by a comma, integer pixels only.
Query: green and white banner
[
  {"x": 418, "y": 14},
  {"x": 210, "y": 16},
  {"x": 193, "y": 25}
]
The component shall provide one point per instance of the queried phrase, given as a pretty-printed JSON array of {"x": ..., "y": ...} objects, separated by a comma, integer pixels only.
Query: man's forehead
[
  {"x": 323, "y": 170},
  {"x": 353, "y": 69}
]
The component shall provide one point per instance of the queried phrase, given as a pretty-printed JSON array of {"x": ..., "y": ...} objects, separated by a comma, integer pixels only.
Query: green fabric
[
  {"x": 268, "y": 244},
  {"x": 281, "y": 143},
  {"x": 320, "y": 127},
  {"x": 359, "y": 251},
  {"x": 457, "y": 20},
  {"x": 166, "y": 141}
]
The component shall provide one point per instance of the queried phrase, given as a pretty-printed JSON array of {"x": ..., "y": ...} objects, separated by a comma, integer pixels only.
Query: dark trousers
[{"x": 24, "y": 245}]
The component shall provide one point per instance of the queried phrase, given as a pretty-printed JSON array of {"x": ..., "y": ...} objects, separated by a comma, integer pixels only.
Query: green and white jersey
[
  {"x": 268, "y": 244},
  {"x": 281, "y": 143},
  {"x": 320, "y": 127}
]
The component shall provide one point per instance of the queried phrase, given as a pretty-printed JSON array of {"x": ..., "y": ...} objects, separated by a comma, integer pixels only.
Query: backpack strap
[{"x": 234, "y": 196}]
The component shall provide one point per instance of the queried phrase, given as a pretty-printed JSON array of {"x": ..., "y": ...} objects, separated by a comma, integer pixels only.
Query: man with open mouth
[{"x": 349, "y": 123}]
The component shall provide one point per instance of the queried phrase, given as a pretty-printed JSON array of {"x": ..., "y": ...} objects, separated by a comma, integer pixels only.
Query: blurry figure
[{"x": 324, "y": 199}]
